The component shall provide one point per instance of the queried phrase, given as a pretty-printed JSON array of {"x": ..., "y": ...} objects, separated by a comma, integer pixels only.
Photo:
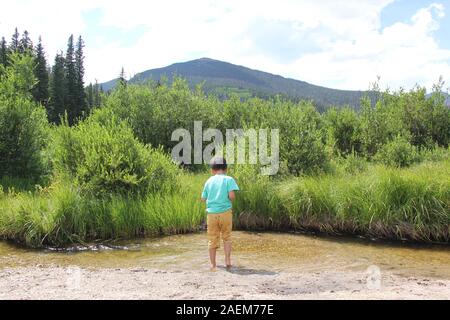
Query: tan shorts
[{"x": 219, "y": 225}]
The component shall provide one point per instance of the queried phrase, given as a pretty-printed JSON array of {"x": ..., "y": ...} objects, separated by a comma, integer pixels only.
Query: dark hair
[{"x": 219, "y": 163}]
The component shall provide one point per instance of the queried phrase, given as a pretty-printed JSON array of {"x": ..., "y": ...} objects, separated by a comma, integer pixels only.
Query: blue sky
[{"x": 340, "y": 44}]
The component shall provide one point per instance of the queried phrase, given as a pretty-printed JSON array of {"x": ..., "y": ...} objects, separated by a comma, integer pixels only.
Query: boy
[{"x": 218, "y": 194}]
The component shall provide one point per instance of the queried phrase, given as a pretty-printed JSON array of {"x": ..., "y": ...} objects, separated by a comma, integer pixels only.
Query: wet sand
[{"x": 267, "y": 266}]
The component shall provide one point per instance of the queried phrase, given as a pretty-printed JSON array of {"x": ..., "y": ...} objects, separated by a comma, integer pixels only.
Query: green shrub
[
  {"x": 155, "y": 112},
  {"x": 105, "y": 158},
  {"x": 23, "y": 123},
  {"x": 435, "y": 155},
  {"x": 344, "y": 130},
  {"x": 352, "y": 164},
  {"x": 301, "y": 140},
  {"x": 398, "y": 153}
]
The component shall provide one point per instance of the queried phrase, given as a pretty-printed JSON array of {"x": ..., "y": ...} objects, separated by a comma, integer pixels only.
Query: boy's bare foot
[
  {"x": 229, "y": 267},
  {"x": 213, "y": 269}
]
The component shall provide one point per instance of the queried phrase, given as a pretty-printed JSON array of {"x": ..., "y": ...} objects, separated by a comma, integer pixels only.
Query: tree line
[
  {"x": 60, "y": 88},
  {"x": 401, "y": 128}
]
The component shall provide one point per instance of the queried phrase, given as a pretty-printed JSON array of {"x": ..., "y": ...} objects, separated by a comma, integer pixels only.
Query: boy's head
[{"x": 218, "y": 164}]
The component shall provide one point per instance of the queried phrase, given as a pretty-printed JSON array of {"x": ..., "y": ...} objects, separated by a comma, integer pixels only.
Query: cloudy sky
[{"x": 340, "y": 44}]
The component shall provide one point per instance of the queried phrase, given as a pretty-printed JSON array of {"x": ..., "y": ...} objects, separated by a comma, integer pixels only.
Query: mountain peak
[
  {"x": 206, "y": 59},
  {"x": 223, "y": 78}
]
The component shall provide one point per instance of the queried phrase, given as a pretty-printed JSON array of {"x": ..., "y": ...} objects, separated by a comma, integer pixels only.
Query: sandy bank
[{"x": 73, "y": 283}]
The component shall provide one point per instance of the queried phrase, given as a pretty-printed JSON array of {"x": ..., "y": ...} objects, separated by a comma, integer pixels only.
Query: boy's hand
[{"x": 232, "y": 196}]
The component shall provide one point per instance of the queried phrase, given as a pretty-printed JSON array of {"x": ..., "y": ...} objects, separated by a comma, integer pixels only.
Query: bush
[
  {"x": 435, "y": 155},
  {"x": 105, "y": 158},
  {"x": 398, "y": 153},
  {"x": 23, "y": 123},
  {"x": 155, "y": 112},
  {"x": 301, "y": 141},
  {"x": 352, "y": 164},
  {"x": 343, "y": 130}
]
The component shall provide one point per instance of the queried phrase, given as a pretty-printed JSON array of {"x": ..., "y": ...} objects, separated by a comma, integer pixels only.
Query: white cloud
[
  {"x": 402, "y": 54},
  {"x": 349, "y": 52}
]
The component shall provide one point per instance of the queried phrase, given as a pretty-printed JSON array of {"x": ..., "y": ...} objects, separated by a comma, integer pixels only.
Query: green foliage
[
  {"x": 113, "y": 178},
  {"x": 398, "y": 153},
  {"x": 257, "y": 205},
  {"x": 352, "y": 164},
  {"x": 80, "y": 96},
  {"x": 61, "y": 214},
  {"x": 15, "y": 42},
  {"x": 41, "y": 90},
  {"x": 379, "y": 124},
  {"x": 23, "y": 123},
  {"x": 3, "y": 52},
  {"x": 302, "y": 145},
  {"x": 424, "y": 120},
  {"x": 155, "y": 113},
  {"x": 58, "y": 90},
  {"x": 25, "y": 43},
  {"x": 385, "y": 203},
  {"x": 93, "y": 96},
  {"x": 344, "y": 130},
  {"x": 18, "y": 78},
  {"x": 71, "y": 82},
  {"x": 435, "y": 155},
  {"x": 105, "y": 158},
  {"x": 403, "y": 204}
]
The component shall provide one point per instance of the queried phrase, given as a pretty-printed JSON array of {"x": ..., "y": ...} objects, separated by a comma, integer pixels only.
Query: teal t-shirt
[{"x": 216, "y": 192}]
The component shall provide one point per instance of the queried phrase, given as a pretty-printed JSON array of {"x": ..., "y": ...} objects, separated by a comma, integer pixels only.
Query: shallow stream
[{"x": 253, "y": 252}]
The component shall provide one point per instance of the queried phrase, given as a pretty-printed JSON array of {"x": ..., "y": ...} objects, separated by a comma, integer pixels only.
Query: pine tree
[
  {"x": 72, "y": 95},
  {"x": 25, "y": 44},
  {"x": 81, "y": 102},
  {"x": 57, "y": 90},
  {"x": 97, "y": 94},
  {"x": 40, "y": 92},
  {"x": 3, "y": 52},
  {"x": 90, "y": 96},
  {"x": 15, "y": 42},
  {"x": 122, "y": 78}
]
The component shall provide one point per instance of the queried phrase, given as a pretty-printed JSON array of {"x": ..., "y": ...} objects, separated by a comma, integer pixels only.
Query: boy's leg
[
  {"x": 227, "y": 227},
  {"x": 228, "y": 247},
  {"x": 212, "y": 258},
  {"x": 213, "y": 238}
]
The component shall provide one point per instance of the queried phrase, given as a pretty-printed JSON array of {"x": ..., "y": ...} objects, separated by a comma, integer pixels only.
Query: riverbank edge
[{"x": 312, "y": 230}]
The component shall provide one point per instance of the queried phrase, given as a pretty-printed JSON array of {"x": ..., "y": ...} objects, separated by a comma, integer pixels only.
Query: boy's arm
[
  {"x": 232, "y": 187},
  {"x": 204, "y": 194}
]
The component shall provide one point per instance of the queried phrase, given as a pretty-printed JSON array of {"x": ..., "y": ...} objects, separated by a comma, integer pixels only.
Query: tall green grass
[
  {"x": 381, "y": 202},
  {"x": 61, "y": 214},
  {"x": 402, "y": 204}
]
